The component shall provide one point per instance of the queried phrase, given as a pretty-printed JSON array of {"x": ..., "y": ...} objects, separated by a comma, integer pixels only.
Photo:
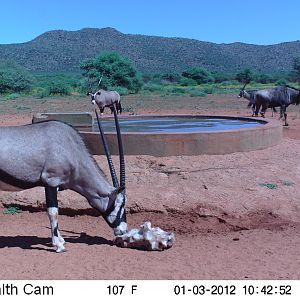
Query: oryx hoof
[
  {"x": 61, "y": 240},
  {"x": 60, "y": 249},
  {"x": 58, "y": 243}
]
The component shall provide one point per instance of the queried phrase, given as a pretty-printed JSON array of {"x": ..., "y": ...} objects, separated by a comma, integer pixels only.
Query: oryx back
[{"x": 27, "y": 152}]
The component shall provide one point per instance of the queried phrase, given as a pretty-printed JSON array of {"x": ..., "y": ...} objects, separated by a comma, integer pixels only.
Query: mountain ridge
[{"x": 62, "y": 51}]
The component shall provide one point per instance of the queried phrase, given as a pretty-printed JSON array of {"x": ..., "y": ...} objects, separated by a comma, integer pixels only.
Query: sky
[{"x": 262, "y": 22}]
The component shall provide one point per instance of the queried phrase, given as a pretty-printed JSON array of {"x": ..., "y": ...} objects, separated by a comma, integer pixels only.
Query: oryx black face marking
[{"x": 55, "y": 231}]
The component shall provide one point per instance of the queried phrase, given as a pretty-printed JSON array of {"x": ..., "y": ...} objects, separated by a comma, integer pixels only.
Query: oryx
[
  {"x": 53, "y": 155},
  {"x": 105, "y": 99}
]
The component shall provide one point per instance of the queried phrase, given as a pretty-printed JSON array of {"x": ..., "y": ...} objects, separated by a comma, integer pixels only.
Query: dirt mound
[{"x": 191, "y": 223}]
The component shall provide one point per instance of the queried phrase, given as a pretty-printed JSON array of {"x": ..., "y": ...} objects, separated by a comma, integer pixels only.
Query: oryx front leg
[{"x": 52, "y": 209}]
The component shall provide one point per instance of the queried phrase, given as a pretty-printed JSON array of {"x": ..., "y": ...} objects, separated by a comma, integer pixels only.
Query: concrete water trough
[{"x": 169, "y": 135}]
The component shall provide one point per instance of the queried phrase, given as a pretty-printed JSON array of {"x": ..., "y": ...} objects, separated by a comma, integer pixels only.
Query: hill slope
[{"x": 59, "y": 50}]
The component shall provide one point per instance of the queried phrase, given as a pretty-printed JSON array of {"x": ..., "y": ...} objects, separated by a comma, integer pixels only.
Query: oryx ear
[{"x": 88, "y": 94}]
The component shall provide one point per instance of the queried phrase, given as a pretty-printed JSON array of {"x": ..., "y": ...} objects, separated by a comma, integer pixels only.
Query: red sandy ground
[{"x": 227, "y": 225}]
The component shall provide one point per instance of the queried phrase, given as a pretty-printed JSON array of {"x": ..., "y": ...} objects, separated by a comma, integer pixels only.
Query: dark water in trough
[{"x": 177, "y": 124}]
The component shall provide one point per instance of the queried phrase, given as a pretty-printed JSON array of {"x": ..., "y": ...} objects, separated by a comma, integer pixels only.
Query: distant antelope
[{"x": 52, "y": 154}]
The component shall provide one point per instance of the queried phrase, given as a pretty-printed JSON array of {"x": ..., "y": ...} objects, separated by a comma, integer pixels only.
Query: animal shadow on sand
[{"x": 32, "y": 242}]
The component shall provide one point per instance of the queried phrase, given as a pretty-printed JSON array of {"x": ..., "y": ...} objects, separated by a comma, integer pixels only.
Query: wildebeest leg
[
  {"x": 257, "y": 108},
  {"x": 285, "y": 116},
  {"x": 281, "y": 112},
  {"x": 52, "y": 209},
  {"x": 253, "y": 110},
  {"x": 263, "y": 110}
]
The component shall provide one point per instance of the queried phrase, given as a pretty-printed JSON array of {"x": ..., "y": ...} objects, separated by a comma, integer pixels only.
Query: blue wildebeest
[
  {"x": 281, "y": 96},
  {"x": 250, "y": 95},
  {"x": 105, "y": 99},
  {"x": 51, "y": 154}
]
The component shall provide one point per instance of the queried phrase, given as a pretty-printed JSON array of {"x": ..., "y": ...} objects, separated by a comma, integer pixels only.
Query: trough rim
[{"x": 267, "y": 124}]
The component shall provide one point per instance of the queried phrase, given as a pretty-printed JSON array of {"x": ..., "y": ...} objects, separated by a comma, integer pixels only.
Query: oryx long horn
[
  {"x": 244, "y": 86},
  {"x": 107, "y": 153},
  {"x": 121, "y": 150},
  {"x": 100, "y": 80}
]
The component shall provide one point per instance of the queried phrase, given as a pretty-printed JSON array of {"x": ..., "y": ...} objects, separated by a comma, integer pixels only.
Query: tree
[
  {"x": 263, "y": 78},
  {"x": 198, "y": 74},
  {"x": 59, "y": 87},
  {"x": 14, "y": 78},
  {"x": 245, "y": 76},
  {"x": 171, "y": 77},
  {"x": 113, "y": 70},
  {"x": 188, "y": 82},
  {"x": 297, "y": 68},
  {"x": 222, "y": 77}
]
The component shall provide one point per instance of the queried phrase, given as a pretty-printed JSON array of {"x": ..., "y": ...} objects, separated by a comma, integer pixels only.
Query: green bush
[
  {"x": 163, "y": 78},
  {"x": 281, "y": 82},
  {"x": 296, "y": 67},
  {"x": 14, "y": 78},
  {"x": 209, "y": 90},
  {"x": 176, "y": 90},
  {"x": 221, "y": 77},
  {"x": 121, "y": 90},
  {"x": 153, "y": 87},
  {"x": 187, "y": 82},
  {"x": 200, "y": 75},
  {"x": 263, "y": 78},
  {"x": 58, "y": 87},
  {"x": 40, "y": 92},
  {"x": 13, "y": 96}
]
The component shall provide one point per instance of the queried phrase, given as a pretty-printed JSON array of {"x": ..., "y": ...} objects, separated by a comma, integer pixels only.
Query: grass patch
[
  {"x": 22, "y": 107},
  {"x": 271, "y": 186},
  {"x": 12, "y": 210},
  {"x": 197, "y": 94}
]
